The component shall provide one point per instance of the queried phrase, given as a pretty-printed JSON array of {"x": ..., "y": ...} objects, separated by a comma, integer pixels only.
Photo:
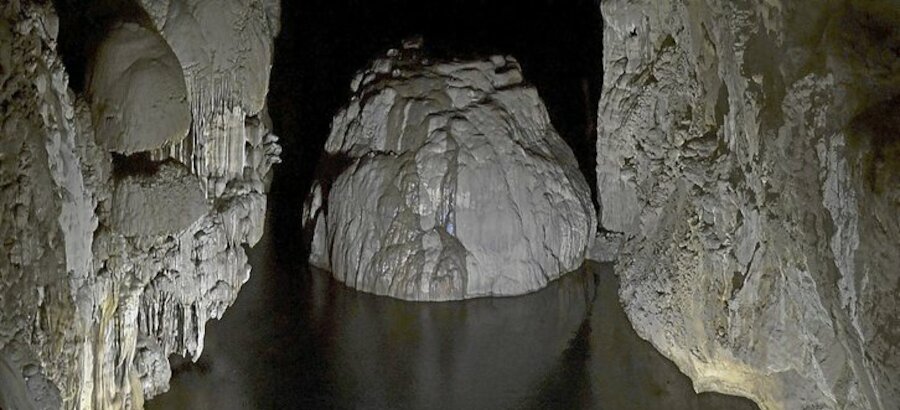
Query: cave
[{"x": 460, "y": 204}]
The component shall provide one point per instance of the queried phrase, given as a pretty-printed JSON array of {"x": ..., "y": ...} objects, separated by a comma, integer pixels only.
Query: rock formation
[
  {"x": 164, "y": 203},
  {"x": 110, "y": 262},
  {"x": 449, "y": 182},
  {"x": 748, "y": 182},
  {"x": 747, "y": 152},
  {"x": 138, "y": 97}
]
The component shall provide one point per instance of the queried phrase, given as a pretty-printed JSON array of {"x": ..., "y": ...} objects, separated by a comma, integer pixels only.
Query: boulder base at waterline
[{"x": 447, "y": 181}]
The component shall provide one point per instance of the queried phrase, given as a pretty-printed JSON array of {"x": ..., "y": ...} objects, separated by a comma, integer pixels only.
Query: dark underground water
[{"x": 296, "y": 339}]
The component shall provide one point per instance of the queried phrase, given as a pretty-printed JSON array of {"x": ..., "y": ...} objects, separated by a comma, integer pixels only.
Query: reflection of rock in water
[
  {"x": 480, "y": 353},
  {"x": 319, "y": 344},
  {"x": 626, "y": 372}
]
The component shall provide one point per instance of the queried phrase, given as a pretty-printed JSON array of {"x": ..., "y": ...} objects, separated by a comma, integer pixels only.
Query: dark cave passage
[{"x": 84, "y": 24}]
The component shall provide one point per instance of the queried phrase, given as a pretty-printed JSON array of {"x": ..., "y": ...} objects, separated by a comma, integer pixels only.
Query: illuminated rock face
[
  {"x": 749, "y": 151},
  {"x": 166, "y": 202},
  {"x": 138, "y": 97},
  {"x": 109, "y": 265},
  {"x": 455, "y": 185},
  {"x": 224, "y": 46},
  {"x": 225, "y": 49}
]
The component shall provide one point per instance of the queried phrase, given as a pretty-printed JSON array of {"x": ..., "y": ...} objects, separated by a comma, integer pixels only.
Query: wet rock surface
[
  {"x": 166, "y": 202},
  {"x": 761, "y": 221},
  {"x": 450, "y": 183}
]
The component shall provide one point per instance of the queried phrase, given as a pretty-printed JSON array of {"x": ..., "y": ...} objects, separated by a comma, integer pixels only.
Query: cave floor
[{"x": 296, "y": 338}]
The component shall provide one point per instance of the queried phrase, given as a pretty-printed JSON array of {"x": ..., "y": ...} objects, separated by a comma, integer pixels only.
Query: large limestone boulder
[
  {"x": 748, "y": 151},
  {"x": 138, "y": 94},
  {"x": 450, "y": 183}
]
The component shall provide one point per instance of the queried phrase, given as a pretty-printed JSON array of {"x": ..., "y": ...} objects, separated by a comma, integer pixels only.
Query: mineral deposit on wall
[{"x": 748, "y": 151}]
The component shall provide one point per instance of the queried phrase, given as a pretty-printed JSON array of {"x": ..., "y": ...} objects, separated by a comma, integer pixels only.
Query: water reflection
[
  {"x": 488, "y": 353},
  {"x": 306, "y": 341}
]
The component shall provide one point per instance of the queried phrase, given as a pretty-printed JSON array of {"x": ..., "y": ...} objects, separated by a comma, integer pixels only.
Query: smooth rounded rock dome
[
  {"x": 449, "y": 182},
  {"x": 138, "y": 94}
]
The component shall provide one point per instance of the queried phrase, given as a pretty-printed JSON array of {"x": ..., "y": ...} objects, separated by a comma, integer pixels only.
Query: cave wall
[
  {"x": 747, "y": 152},
  {"x": 92, "y": 303}
]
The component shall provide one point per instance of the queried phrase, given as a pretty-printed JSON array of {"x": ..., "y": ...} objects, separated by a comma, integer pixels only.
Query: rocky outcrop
[
  {"x": 110, "y": 263},
  {"x": 448, "y": 182},
  {"x": 748, "y": 153},
  {"x": 138, "y": 97}
]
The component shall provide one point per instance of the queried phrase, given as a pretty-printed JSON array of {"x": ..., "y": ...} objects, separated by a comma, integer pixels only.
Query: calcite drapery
[{"x": 138, "y": 95}]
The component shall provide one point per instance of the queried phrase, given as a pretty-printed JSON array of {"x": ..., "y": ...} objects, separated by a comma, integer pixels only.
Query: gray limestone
[
  {"x": 453, "y": 184},
  {"x": 224, "y": 46},
  {"x": 138, "y": 95},
  {"x": 747, "y": 151},
  {"x": 225, "y": 50},
  {"x": 109, "y": 267},
  {"x": 166, "y": 202},
  {"x": 748, "y": 182}
]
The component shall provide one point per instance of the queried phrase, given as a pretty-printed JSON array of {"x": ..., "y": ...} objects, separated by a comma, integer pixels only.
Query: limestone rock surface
[
  {"x": 225, "y": 49},
  {"x": 449, "y": 182},
  {"x": 166, "y": 202},
  {"x": 747, "y": 151},
  {"x": 105, "y": 273},
  {"x": 138, "y": 94}
]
